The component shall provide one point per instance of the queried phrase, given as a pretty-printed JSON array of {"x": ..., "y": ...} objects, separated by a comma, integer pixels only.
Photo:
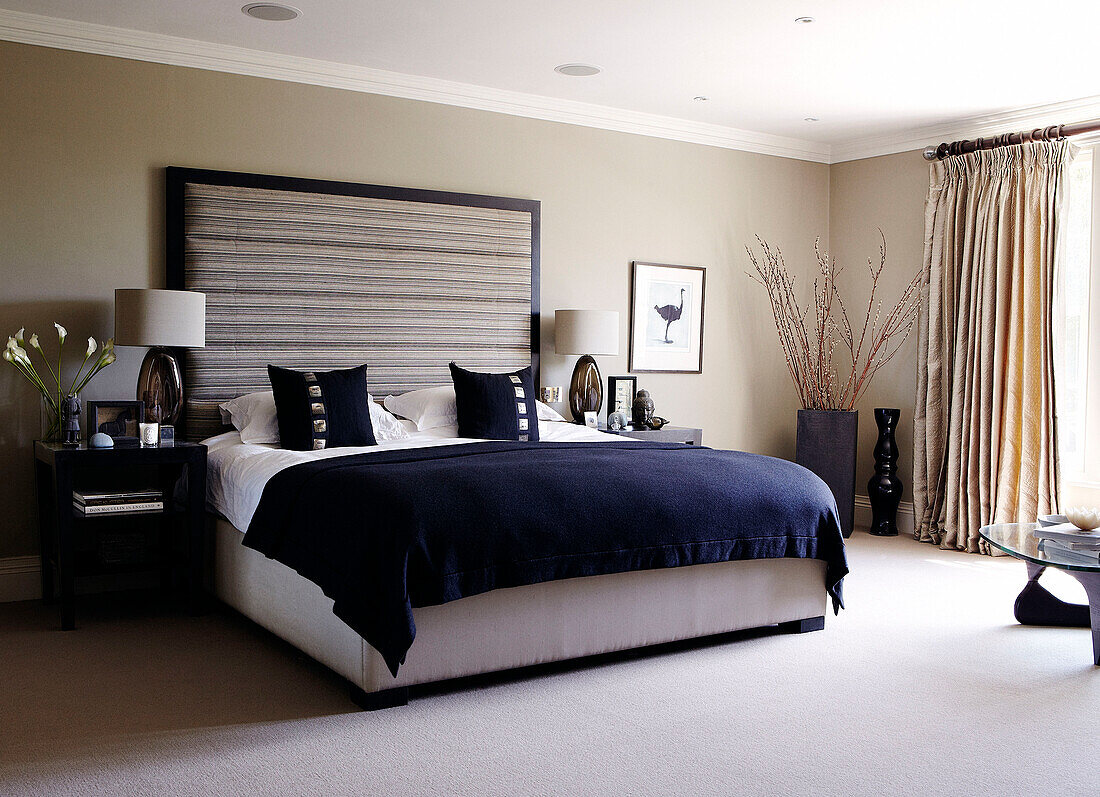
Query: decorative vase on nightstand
[
  {"x": 61, "y": 426},
  {"x": 885, "y": 488},
  {"x": 60, "y": 405}
]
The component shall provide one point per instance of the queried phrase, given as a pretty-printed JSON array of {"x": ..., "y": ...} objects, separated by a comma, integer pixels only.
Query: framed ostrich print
[{"x": 666, "y": 319}]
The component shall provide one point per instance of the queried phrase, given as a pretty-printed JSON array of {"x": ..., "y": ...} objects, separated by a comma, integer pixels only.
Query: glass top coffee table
[{"x": 1036, "y": 606}]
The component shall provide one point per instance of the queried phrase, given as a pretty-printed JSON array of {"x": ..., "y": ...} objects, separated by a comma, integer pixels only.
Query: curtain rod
[{"x": 1006, "y": 139}]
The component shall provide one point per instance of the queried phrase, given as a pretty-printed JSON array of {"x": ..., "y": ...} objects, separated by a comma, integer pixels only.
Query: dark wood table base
[{"x": 1036, "y": 606}]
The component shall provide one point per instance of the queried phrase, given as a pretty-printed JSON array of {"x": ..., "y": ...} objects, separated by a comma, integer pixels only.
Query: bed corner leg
[
  {"x": 803, "y": 626},
  {"x": 374, "y": 701}
]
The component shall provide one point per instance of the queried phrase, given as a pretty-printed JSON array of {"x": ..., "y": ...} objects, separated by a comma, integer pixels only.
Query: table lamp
[
  {"x": 586, "y": 332},
  {"x": 161, "y": 320}
]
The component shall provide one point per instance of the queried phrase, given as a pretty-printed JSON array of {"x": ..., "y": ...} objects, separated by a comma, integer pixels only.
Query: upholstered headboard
[{"x": 318, "y": 274}]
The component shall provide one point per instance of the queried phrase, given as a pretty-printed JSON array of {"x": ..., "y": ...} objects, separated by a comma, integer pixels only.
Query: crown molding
[
  {"x": 972, "y": 127},
  {"x": 24, "y": 28}
]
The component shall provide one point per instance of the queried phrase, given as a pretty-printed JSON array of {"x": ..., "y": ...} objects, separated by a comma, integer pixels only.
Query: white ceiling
[{"x": 868, "y": 69}]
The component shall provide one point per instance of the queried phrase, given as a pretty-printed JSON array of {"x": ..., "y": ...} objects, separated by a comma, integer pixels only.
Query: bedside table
[
  {"x": 666, "y": 434},
  {"x": 75, "y": 544}
]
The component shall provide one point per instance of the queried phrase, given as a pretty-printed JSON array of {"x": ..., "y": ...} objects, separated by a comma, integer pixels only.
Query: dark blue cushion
[
  {"x": 496, "y": 406},
  {"x": 322, "y": 409}
]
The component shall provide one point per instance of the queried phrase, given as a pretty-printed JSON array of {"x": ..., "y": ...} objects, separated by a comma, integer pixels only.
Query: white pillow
[
  {"x": 548, "y": 413},
  {"x": 255, "y": 417},
  {"x": 433, "y": 407},
  {"x": 386, "y": 427},
  {"x": 428, "y": 408}
]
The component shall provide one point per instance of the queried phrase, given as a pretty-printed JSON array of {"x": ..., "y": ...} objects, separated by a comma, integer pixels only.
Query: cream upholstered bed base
[{"x": 519, "y": 626}]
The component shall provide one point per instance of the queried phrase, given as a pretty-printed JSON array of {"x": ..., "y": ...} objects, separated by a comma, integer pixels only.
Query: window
[{"x": 1077, "y": 333}]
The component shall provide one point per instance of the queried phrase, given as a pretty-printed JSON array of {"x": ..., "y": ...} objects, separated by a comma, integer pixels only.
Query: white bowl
[{"x": 1084, "y": 518}]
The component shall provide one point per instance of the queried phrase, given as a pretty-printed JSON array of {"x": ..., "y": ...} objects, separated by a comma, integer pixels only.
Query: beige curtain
[{"x": 985, "y": 442}]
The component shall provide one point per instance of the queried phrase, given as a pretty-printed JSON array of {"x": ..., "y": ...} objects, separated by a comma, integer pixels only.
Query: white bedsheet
[{"x": 237, "y": 472}]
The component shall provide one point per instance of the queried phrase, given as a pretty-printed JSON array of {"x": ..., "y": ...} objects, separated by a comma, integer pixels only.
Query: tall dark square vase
[{"x": 825, "y": 443}]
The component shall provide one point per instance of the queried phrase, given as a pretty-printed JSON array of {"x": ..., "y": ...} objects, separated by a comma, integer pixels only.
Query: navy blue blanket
[{"x": 386, "y": 531}]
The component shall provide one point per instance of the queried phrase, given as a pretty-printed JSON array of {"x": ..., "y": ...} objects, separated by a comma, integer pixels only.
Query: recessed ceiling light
[
  {"x": 700, "y": 98},
  {"x": 577, "y": 70},
  {"x": 271, "y": 12},
  {"x": 804, "y": 20},
  {"x": 810, "y": 119}
]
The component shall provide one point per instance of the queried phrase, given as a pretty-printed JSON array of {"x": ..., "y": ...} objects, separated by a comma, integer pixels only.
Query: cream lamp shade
[
  {"x": 163, "y": 320},
  {"x": 151, "y": 317},
  {"x": 586, "y": 332}
]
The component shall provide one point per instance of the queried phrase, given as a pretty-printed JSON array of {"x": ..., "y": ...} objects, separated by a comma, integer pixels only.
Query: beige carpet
[{"x": 905, "y": 693}]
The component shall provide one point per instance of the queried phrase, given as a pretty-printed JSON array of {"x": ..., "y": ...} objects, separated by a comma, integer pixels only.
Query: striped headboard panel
[{"x": 317, "y": 275}]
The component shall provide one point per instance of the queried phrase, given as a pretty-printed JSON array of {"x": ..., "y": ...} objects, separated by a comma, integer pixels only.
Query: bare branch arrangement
[{"x": 808, "y": 348}]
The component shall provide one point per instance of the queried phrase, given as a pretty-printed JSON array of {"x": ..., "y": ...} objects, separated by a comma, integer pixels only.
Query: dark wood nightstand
[
  {"x": 666, "y": 434},
  {"x": 74, "y": 544}
]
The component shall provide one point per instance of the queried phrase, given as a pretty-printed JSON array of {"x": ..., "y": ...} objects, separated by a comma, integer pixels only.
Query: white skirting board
[
  {"x": 20, "y": 578},
  {"x": 905, "y": 516}
]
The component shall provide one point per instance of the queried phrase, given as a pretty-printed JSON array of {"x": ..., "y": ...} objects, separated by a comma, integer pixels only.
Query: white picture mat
[
  {"x": 657, "y": 289},
  {"x": 623, "y": 398}
]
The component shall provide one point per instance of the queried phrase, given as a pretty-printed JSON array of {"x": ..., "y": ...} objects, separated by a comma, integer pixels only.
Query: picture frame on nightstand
[
  {"x": 119, "y": 419},
  {"x": 620, "y": 394}
]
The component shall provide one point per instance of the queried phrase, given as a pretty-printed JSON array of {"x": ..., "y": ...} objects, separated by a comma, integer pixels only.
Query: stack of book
[
  {"x": 1067, "y": 542},
  {"x": 117, "y": 503}
]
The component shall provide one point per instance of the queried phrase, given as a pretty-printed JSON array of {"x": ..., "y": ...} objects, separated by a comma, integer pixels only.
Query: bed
[{"x": 318, "y": 274}]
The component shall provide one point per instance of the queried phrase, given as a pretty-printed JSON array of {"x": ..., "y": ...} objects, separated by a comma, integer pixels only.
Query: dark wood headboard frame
[{"x": 178, "y": 177}]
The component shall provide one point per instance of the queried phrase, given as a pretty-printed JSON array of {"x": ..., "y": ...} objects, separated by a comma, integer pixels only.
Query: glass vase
[
  {"x": 62, "y": 426},
  {"x": 51, "y": 422}
]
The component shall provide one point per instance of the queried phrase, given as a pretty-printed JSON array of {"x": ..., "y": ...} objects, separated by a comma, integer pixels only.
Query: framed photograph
[
  {"x": 119, "y": 419},
  {"x": 620, "y": 394},
  {"x": 666, "y": 318}
]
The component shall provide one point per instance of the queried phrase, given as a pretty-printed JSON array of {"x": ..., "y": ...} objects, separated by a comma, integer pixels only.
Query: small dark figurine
[
  {"x": 642, "y": 410},
  {"x": 70, "y": 420}
]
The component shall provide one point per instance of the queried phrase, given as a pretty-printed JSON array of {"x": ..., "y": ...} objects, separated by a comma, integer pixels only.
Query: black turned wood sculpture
[{"x": 885, "y": 488}]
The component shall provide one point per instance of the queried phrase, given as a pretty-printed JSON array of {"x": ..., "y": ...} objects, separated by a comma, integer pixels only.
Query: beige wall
[
  {"x": 865, "y": 195},
  {"x": 84, "y": 140}
]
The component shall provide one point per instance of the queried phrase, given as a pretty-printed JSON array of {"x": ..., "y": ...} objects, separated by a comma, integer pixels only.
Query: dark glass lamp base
[
  {"x": 585, "y": 388},
  {"x": 160, "y": 386}
]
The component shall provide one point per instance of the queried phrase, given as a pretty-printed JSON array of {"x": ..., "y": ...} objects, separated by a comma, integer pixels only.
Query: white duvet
[{"x": 237, "y": 472}]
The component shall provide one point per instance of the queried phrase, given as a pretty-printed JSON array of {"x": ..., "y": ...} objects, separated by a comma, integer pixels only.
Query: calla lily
[
  {"x": 52, "y": 395},
  {"x": 20, "y": 354}
]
